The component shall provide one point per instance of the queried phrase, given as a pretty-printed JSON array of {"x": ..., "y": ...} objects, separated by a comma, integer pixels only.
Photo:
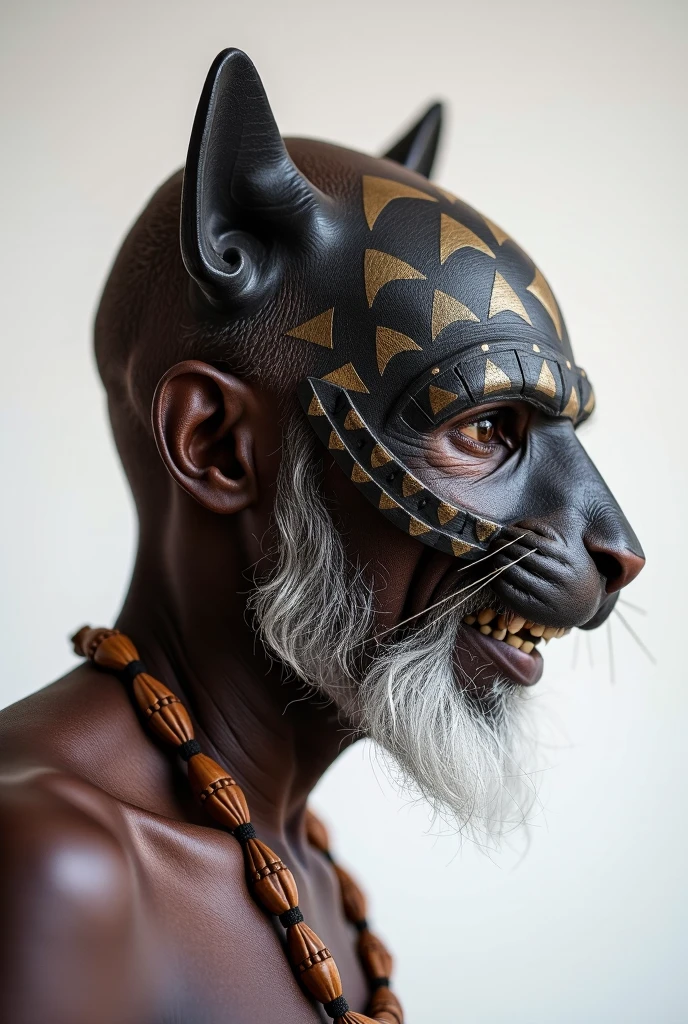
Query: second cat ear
[{"x": 418, "y": 148}]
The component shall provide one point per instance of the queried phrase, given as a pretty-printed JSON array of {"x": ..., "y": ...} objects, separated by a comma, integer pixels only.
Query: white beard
[{"x": 315, "y": 613}]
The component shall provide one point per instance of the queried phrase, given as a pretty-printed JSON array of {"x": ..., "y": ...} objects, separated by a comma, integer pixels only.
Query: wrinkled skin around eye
[{"x": 476, "y": 444}]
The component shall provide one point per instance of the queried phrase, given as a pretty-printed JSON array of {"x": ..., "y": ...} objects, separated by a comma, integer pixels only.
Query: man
[{"x": 346, "y": 405}]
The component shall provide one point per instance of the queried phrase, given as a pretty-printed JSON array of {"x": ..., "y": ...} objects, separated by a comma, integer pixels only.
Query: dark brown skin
[
  {"x": 116, "y": 891},
  {"x": 120, "y": 903}
]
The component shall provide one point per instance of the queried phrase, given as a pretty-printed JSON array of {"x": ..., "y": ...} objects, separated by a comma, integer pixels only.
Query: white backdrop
[{"x": 567, "y": 127}]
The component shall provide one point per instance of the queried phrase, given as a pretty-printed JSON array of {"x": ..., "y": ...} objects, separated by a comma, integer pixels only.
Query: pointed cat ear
[
  {"x": 244, "y": 203},
  {"x": 418, "y": 148}
]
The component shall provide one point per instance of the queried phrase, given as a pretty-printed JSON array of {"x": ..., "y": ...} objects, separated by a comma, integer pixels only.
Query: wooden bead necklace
[{"x": 271, "y": 883}]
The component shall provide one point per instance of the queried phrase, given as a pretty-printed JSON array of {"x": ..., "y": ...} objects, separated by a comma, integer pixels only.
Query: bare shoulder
[
  {"x": 68, "y": 907},
  {"x": 82, "y": 726},
  {"x": 67, "y": 904}
]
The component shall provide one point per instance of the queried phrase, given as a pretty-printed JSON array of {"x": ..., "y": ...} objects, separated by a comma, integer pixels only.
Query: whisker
[
  {"x": 648, "y": 654},
  {"x": 492, "y": 576},
  {"x": 635, "y": 607},
  {"x": 463, "y": 568},
  {"x": 610, "y": 644}
]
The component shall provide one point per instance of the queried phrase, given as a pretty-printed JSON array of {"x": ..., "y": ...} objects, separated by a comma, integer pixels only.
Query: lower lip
[{"x": 524, "y": 669}]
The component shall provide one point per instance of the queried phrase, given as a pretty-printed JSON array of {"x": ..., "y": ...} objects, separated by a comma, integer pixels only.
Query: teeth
[
  {"x": 516, "y": 624},
  {"x": 505, "y": 627},
  {"x": 485, "y": 616}
]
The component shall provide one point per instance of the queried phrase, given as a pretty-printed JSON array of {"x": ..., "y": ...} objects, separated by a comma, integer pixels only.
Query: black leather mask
[
  {"x": 432, "y": 310},
  {"x": 411, "y": 308}
]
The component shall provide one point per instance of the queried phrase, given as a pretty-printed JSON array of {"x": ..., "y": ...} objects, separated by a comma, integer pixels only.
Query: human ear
[{"x": 202, "y": 422}]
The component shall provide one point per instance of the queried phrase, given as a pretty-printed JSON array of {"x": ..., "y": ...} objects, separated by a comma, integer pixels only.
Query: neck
[{"x": 191, "y": 628}]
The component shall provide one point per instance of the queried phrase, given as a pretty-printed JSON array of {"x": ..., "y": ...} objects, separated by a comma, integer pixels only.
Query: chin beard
[{"x": 457, "y": 744}]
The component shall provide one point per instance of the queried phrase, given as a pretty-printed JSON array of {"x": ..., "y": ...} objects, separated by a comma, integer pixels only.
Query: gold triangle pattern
[
  {"x": 377, "y": 192},
  {"x": 315, "y": 408},
  {"x": 317, "y": 330},
  {"x": 380, "y": 268},
  {"x": 504, "y": 299},
  {"x": 484, "y": 529},
  {"x": 590, "y": 404},
  {"x": 546, "y": 382},
  {"x": 447, "y": 310},
  {"x": 410, "y": 485},
  {"x": 500, "y": 236},
  {"x": 387, "y": 502},
  {"x": 389, "y": 343},
  {"x": 495, "y": 379},
  {"x": 353, "y": 421},
  {"x": 359, "y": 475},
  {"x": 347, "y": 377},
  {"x": 336, "y": 442},
  {"x": 455, "y": 236},
  {"x": 439, "y": 398},
  {"x": 379, "y": 456},
  {"x": 572, "y": 406},
  {"x": 543, "y": 293},
  {"x": 416, "y": 527},
  {"x": 459, "y": 547},
  {"x": 445, "y": 513}
]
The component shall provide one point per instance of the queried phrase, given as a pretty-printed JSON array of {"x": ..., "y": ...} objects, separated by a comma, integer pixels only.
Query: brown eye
[{"x": 478, "y": 430}]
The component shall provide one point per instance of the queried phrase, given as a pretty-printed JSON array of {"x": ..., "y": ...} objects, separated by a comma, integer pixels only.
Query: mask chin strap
[{"x": 385, "y": 481}]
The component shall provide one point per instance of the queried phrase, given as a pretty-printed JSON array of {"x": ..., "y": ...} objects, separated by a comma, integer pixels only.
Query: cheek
[{"x": 389, "y": 556}]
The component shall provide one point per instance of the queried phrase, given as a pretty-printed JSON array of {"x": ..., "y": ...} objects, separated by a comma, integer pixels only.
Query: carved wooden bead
[
  {"x": 316, "y": 832},
  {"x": 313, "y": 963},
  {"x": 217, "y": 791},
  {"x": 89, "y": 637},
  {"x": 272, "y": 882},
  {"x": 384, "y": 1006},
  {"x": 353, "y": 900},
  {"x": 115, "y": 652},
  {"x": 375, "y": 960},
  {"x": 166, "y": 715}
]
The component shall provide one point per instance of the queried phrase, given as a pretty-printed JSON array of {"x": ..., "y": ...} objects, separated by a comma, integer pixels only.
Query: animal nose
[{"x": 619, "y": 566}]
